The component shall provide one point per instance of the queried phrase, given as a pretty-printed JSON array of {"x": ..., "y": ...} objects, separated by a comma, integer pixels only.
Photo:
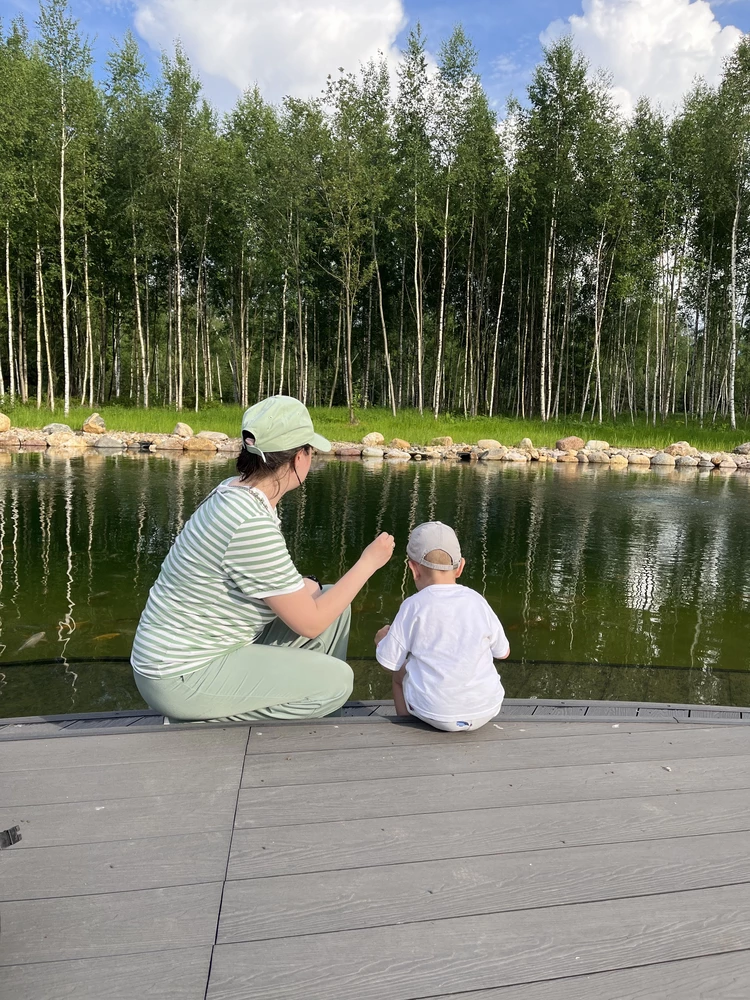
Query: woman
[{"x": 231, "y": 630}]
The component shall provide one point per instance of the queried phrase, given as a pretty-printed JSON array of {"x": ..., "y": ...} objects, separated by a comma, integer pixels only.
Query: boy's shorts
[{"x": 458, "y": 725}]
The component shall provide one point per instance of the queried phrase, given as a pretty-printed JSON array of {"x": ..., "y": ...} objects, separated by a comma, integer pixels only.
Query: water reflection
[{"x": 584, "y": 566}]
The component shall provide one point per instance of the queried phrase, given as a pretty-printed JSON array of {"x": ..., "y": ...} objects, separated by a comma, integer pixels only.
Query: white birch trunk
[{"x": 11, "y": 363}]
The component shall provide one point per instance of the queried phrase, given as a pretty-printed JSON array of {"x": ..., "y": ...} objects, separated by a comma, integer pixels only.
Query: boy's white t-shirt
[{"x": 447, "y": 635}]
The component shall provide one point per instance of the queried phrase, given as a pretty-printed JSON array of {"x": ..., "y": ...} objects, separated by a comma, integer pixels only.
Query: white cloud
[
  {"x": 285, "y": 46},
  {"x": 652, "y": 48}
]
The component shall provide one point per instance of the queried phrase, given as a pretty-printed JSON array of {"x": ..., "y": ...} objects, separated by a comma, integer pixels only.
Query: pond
[{"x": 621, "y": 585}]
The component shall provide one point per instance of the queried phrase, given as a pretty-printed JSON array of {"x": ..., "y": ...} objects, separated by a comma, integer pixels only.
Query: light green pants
[{"x": 281, "y": 675}]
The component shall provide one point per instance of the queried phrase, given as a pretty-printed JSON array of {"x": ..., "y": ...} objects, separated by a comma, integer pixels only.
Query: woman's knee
[{"x": 340, "y": 678}]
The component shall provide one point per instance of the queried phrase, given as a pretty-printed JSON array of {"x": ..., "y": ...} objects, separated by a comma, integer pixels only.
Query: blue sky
[{"x": 652, "y": 46}]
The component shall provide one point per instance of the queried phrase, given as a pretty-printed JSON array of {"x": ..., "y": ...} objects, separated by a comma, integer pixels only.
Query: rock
[
  {"x": 442, "y": 442},
  {"x": 568, "y": 457},
  {"x": 56, "y": 428},
  {"x": 583, "y": 457},
  {"x": 597, "y": 446},
  {"x": 638, "y": 458},
  {"x": 704, "y": 462},
  {"x": 354, "y": 451},
  {"x": 525, "y": 444},
  {"x": 494, "y": 454},
  {"x": 373, "y": 439},
  {"x": 488, "y": 444},
  {"x": 400, "y": 444},
  {"x": 742, "y": 449},
  {"x": 661, "y": 458},
  {"x": 64, "y": 439},
  {"x": 215, "y": 436},
  {"x": 397, "y": 455},
  {"x": 686, "y": 461},
  {"x": 372, "y": 452},
  {"x": 599, "y": 458},
  {"x": 94, "y": 425},
  {"x": 183, "y": 430},
  {"x": 9, "y": 439},
  {"x": 229, "y": 446},
  {"x": 4, "y": 423},
  {"x": 167, "y": 442},
  {"x": 682, "y": 449},
  {"x": 571, "y": 443},
  {"x": 514, "y": 455},
  {"x": 727, "y": 463},
  {"x": 33, "y": 439},
  {"x": 105, "y": 442},
  {"x": 198, "y": 444},
  {"x": 618, "y": 462}
]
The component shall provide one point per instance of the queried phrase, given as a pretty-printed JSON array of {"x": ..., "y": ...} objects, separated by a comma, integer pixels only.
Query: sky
[{"x": 650, "y": 47}]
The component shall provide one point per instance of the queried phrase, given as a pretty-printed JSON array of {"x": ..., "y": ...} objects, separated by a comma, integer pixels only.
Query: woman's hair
[{"x": 253, "y": 467}]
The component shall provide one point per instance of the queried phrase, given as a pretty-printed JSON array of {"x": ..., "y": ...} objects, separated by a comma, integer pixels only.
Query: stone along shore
[{"x": 373, "y": 447}]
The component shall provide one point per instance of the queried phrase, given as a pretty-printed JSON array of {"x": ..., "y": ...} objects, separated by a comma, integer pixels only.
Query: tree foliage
[{"x": 389, "y": 243}]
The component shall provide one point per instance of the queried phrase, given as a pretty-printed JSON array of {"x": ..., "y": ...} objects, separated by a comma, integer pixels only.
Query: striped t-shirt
[{"x": 208, "y": 597}]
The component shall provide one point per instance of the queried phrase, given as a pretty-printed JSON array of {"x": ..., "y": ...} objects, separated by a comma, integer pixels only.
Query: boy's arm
[
  {"x": 499, "y": 647},
  {"x": 391, "y": 648}
]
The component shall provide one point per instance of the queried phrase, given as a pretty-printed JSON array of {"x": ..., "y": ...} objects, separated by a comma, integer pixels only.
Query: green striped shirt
[{"x": 208, "y": 597}]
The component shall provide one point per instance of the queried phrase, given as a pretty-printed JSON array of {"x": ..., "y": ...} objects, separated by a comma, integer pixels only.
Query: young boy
[{"x": 442, "y": 642}]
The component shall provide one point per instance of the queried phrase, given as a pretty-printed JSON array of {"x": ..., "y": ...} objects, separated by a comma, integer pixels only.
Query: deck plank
[
  {"x": 280, "y": 805},
  {"x": 394, "y": 840},
  {"x": 25, "y": 730},
  {"x": 118, "y": 747},
  {"x": 315, "y": 737},
  {"x": 120, "y": 923},
  {"x": 718, "y": 977},
  {"x": 103, "y": 819},
  {"x": 117, "y": 723},
  {"x": 49, "y": 786},
  {"x": 114, "y": 866},
  {"x": 289, "y": 905},
  {"x": 559, "y": 711},
  {"x": 165, "y": 975},
  {"x": 454, "y": 755},
  {"x": 484, "y": 952}
]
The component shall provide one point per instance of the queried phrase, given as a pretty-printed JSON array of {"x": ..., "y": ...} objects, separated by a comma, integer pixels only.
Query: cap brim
[{"x": 320, "y": 443}]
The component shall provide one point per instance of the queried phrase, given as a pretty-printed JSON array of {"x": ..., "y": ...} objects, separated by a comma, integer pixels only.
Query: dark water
[{"x": 624, "y": 585}]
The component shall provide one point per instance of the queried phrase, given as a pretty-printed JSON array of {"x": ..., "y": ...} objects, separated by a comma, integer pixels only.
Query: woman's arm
[{"x": 309, "y": 614}]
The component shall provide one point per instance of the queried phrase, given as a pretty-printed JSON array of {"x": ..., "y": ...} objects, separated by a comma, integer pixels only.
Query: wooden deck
[{"x": 598, "y": 855}]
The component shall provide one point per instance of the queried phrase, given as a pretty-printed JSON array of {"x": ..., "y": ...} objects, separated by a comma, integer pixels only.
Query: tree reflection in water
[{"x": 602, "y": 578}]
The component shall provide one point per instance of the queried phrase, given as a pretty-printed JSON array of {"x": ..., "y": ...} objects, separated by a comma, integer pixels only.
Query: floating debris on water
[
  {"x": 107, "y": 635},
  {"x": 33, "y": 640}
]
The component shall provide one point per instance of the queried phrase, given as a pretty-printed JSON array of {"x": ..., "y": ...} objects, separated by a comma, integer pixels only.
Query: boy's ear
[
  {"x": 460, "y": 569},
  {"x": 415, "y": 568}
]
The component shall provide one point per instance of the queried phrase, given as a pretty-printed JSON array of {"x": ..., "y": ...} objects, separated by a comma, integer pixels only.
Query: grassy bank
[{"x": 408, "y": 424}]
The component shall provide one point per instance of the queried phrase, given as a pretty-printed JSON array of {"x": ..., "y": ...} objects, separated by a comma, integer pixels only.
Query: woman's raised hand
[{"x": 379, "y": 552}]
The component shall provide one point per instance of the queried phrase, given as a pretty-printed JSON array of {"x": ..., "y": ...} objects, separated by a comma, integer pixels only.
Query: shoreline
[{"x": 94, "y": 436}]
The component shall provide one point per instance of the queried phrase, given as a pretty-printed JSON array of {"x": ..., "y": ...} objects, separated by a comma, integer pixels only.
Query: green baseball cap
[{"x": 280, "y": 423}]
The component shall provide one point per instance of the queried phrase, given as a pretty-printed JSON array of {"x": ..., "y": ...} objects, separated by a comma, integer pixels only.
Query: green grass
[{"x": 335, "y": 425}]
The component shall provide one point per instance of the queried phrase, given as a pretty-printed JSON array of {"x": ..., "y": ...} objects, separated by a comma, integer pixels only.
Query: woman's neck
[{"x": 272, "y": 489}]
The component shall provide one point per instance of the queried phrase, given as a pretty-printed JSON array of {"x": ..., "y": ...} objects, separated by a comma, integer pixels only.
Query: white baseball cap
[{"x": 430, "y": 536}]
